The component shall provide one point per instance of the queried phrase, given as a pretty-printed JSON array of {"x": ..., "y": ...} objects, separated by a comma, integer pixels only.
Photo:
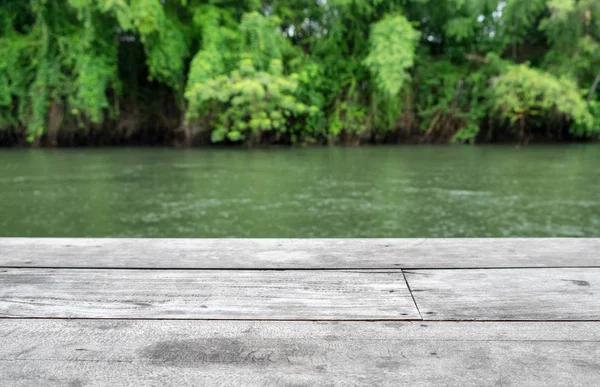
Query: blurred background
[{"x": 299, "y": 118}]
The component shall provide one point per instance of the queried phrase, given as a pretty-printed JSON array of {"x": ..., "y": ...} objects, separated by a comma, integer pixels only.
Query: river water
[{"x": 407, "y": 191}]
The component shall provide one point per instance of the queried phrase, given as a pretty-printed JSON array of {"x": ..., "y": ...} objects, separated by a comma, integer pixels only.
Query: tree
[{"x": 336, "y": 71}]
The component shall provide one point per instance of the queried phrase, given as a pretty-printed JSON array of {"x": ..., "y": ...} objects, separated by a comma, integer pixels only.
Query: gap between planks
[
  {"x": 355, "y": 269},
  {"x": 378, "y": 320}
]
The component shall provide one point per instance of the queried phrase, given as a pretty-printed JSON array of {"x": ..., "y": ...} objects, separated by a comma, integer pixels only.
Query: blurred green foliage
[{"x": 299, "y": 71}]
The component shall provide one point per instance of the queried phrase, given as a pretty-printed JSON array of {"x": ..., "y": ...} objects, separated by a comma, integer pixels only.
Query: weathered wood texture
[
  {"x": 299, "y": 253},
  {"x": 210, "y": 294},
  {"x": 507, "y": 294},
  {"x": 245, "y": 353}
]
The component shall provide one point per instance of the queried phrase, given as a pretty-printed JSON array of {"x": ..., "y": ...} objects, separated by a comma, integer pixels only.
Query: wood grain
[
  {"x": 210, "y": 294},
  {"x": 248, "y": 353},
  {"x": 507, "y": 294},
  {"x": 299, "y": 253}
]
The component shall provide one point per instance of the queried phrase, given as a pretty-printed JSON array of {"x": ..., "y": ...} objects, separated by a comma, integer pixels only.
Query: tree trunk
[
  {"x": 593, "y": 89},
  {"x": 55, "y": 118},
  {"x": 522, "y": 130}
]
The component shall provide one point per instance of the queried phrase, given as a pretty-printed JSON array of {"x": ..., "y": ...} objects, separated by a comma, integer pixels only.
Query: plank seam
[
  {"x": 411, "y": 294},
  {"x": 393, "y": 320},
  {"x": 396, "y": 268}
]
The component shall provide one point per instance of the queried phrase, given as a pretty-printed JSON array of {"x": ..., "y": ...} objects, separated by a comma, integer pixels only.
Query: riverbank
[{"x": 171, "y": 138}]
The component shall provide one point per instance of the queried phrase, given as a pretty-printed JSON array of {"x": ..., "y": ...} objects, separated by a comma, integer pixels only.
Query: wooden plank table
[{"x": 372, "y": 312}]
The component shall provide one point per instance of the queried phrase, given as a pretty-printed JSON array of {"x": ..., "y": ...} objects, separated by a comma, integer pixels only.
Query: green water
[{"x": 544, "y": 191}]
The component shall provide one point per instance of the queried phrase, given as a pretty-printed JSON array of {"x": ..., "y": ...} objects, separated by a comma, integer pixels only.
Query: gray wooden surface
[
  {"x": 136, "y": 312},
  {"x": 299, "y": 253},
  {"x": 210, "y": 294},
  {"x": 507, "y": 294},
  {"x": 249, "y": 353}
]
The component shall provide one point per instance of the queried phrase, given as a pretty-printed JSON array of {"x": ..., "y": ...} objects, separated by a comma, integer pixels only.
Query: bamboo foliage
[{"x": 300, "y": 71}]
